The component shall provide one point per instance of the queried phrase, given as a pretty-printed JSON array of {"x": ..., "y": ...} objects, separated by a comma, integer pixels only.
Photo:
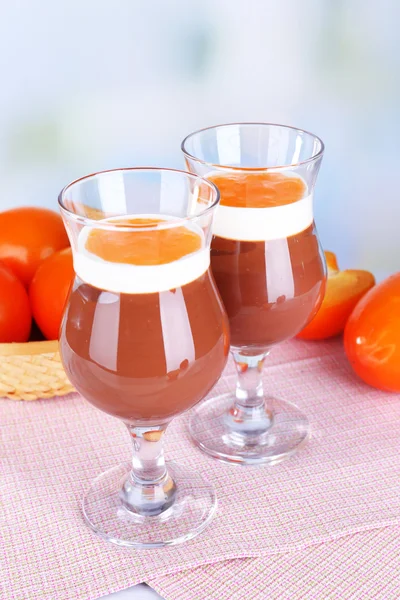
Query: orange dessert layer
[
  {"x": 147, "y": 247},
  {"x": 258, "y": 189}
]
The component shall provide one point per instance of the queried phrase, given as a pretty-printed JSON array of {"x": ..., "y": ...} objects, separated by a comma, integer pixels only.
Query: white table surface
[{"x": 137, "y": 592}]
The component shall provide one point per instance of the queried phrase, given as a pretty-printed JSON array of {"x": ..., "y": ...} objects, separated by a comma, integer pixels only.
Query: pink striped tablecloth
[
  {"x": 346, "y": 481},
  {"x": 360, "y": 566}
]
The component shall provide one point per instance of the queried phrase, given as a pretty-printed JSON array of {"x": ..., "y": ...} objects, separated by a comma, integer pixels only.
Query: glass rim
[
  {"x": 313, "y": 158},
  {"x": 108, "y": 225}
]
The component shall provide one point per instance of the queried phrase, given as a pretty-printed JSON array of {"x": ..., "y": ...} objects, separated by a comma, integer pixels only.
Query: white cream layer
[
  {"x": 263, "y": 224},
  {"x": 139, "y": 279}
]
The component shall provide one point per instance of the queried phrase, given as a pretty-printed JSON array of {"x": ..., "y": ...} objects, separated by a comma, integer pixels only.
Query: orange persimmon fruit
[
  {"x": 344, "y": 289},
  {"x": 49, "y": 291},
  {"x": 372, "y": 336},
  {"x": 29, "y": 235},
  {"x": 15, "y": 312}
]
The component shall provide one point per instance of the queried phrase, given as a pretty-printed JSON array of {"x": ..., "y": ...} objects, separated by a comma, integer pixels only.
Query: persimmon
[
  {"x": 29, "y": 235},
  {"x": 331, "y": 262},
  {"x": 343, "y": 290},
  {"x": 372, "y": 336},
  {"x": 15, "y": 312},
  {"x": 49, "y": 291}
]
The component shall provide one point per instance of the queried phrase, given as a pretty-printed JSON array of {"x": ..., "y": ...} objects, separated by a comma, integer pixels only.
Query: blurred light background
[{"x": 94, "y": 84}]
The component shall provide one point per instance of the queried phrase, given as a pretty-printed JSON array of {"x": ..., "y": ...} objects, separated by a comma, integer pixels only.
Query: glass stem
[
  {"x": 148, "y": 490},
  {"x": 250, "y": 414}
]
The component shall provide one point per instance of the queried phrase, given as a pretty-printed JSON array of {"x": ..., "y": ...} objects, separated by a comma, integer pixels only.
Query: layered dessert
[
  {"x": 145, "y": 333},
  {"x": 265, "y": 255}
]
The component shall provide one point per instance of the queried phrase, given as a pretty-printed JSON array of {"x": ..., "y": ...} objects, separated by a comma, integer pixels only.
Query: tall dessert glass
[
  {"x": 144, "y": 337},
  {"x": 270, "y": 271}
]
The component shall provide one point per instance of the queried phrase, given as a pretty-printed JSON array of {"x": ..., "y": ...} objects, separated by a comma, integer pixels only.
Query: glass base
[
  {"x": 270, "y": 441},
  {"x": 192, "y": 510}
]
